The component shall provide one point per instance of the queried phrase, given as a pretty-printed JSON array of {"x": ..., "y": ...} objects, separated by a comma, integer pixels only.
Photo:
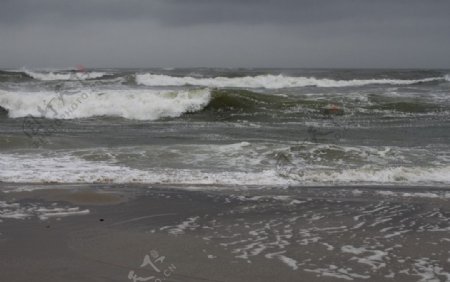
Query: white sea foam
[
  {"x": 36, "y": 168},
  {"x": 188, "y": 224},
  {"x": 373, "y": 258},
  {"x": 130, "y": 104},
  {"x": 50, "y": 76},
  {"x": 68, "y": 169},
  {"x": 376, "y": 175},
  {"x": 430, "y": 271},
  {"x": 267, "y": 81},
  {"x": 430, "y": 195},
  {"x": 337, "y": 273},
  {"x": 18, "y": 211}
]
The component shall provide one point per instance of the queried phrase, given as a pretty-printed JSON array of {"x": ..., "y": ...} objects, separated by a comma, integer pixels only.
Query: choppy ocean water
[{"x": 264, "y": 127}]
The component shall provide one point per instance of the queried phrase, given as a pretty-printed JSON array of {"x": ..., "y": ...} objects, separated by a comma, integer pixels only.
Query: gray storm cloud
[{"x": 188, "y": 33}]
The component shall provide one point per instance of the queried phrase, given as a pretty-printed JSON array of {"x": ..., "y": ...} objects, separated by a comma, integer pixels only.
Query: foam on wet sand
[{"x": 317, "y": 234}]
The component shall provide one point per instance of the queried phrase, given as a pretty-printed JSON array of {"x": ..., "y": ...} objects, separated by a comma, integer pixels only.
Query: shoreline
[{"x": 309, "y": 234}]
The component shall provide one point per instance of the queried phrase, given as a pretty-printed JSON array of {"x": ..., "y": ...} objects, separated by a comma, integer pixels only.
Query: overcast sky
[{"x": 225, "y": 33}]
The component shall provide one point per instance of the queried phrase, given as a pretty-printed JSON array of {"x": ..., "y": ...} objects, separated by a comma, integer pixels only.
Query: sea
[{"x": 224, "y": 127}]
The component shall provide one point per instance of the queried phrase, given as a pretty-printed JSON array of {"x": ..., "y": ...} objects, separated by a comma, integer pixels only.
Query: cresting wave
[
  {"x": 69, "y": 169},
  {"x": 129, "y": 104},
  {"x": 269, "y": 81},
  {"x": 51, "y": 76},
  {"x": 138, "y": 104},
  {"x": 151, "y": 104}
]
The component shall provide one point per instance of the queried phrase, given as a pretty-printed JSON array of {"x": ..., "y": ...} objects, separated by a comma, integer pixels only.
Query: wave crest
[
  {"x": 267, "y": 81},
  {"x": 51, "y": 76},
  {"x": 129, "y": 104}
]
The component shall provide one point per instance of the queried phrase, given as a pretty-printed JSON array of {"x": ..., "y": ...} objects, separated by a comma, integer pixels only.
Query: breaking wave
[
  {"x": 152, "y": 104},
  {"x": 269, "y": 81},
  {"x": 129, "y": 104},
  {"x": 51, "y": 76}
]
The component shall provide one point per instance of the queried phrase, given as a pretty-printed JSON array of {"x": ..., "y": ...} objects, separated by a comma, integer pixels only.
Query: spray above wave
[
  {"x": 51, "y": 76},
  {"x": 268, "y": 81},
  {"x": 129, "y": 104}
]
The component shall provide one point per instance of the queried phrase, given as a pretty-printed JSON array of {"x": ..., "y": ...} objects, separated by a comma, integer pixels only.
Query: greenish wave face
[
  {"x": 251, "y": 105},
  {"x": 7, "y": 76}
]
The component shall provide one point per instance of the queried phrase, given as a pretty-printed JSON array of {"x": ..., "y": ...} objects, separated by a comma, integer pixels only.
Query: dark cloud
[
  {"x": 304, "y": 33},
  {"x": 184, "y": 12}
]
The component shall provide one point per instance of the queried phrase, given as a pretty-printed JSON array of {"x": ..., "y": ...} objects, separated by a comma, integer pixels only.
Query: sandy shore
[{"x": 131, "y": 232}]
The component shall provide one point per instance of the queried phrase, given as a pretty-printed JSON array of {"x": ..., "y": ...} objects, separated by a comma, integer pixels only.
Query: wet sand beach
[{"x": 135, "y": 232}]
